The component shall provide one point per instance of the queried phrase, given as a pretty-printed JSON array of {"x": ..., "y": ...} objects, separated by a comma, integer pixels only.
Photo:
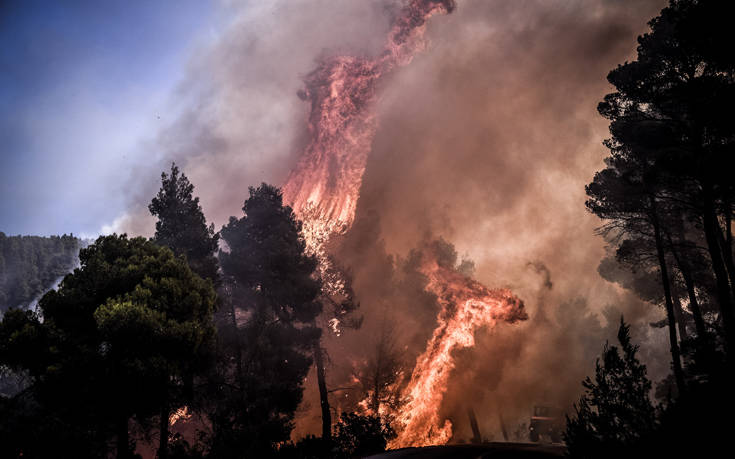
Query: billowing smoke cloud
[
  {"x": 486, "y": 140},
  {"x": 237, "y": 118}
]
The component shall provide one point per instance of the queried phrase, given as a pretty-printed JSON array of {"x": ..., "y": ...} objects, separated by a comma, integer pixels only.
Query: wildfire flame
[
  {"x": 324, "y": 188},
  {"x": 342, "y": 89},
  {"x": 467, "y": 306}
]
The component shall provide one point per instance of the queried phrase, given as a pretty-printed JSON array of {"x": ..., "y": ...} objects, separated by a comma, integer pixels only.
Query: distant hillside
[{"x": 30, "y": 265}]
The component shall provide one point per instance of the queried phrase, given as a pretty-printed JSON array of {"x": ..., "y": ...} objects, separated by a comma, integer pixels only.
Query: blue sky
[{"x": 83, "y": 86}]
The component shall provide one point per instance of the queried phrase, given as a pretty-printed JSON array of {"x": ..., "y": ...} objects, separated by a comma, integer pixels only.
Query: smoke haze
[{"x": 485, "y": 140}]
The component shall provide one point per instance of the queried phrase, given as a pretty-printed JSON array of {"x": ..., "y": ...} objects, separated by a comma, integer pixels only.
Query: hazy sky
[
  {"x": 83, "y": 84},
  {"x": 486, "y": 139}
]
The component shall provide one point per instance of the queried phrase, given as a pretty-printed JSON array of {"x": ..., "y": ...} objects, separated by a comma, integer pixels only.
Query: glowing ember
[
  {"x": 324, "y": 188},
  {"x": 182, "y": 414}
]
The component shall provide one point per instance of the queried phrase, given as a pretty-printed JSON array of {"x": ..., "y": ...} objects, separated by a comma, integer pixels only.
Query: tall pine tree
[
  {"x": 181, "y": 224},
  {"x": 272, "y": 301},
  {"x": 615, "y": 412}
]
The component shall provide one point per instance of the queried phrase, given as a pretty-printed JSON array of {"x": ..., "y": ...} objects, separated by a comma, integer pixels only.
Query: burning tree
[{"x": 380, "y": 377}]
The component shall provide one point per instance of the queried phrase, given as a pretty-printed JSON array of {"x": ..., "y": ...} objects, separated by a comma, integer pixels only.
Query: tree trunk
[
  {"x": 476, "y": 435},
  {"x": 679, "y": 316},
  {"x": 728, "y": 223},
  {"x": 375, "y": 404},
  {"x": 321, "y": 378},
  {"x": 502, "y": 426},
  {"x": 238, "y": 348},
  {"x": 723, "y": 288},
  {"x": 163, "y": 429},
  {"x": 726, "y": 250},
  {"x": 123, "y": 439},
  {"x": 675, "y": 354},
  {"x": 693, "y": 303},
  {"x": 686, "y": 273}
]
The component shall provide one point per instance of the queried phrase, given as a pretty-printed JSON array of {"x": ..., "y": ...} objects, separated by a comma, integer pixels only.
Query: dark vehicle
[{"x": 546, "y": 423}]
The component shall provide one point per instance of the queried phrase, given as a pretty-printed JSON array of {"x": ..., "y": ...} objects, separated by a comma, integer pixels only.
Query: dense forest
[
  {"x": 221, "y": 328},
  {"x": 30, "y": 265},
  {"x": 666, "y": 199}
]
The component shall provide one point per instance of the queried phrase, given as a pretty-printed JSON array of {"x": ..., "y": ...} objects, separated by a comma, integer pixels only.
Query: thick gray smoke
[{"x": 486, "y": 140}]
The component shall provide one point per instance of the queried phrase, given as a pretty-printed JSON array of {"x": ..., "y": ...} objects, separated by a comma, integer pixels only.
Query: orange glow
[
  {"x": 342, "y": 90},
  {"x": 467, "y": 306},
  {"x": 324, "y": 188}
]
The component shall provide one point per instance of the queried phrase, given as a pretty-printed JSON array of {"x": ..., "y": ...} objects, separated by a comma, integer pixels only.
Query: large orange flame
[
  {"x": 467, "y": 306},
  {"x": 342, "y": 123},
  {"x": 324, "y": 188}
]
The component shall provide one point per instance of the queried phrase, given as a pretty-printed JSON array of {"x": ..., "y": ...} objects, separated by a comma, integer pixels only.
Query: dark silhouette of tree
[
  {"x": 671, "y": 121},
  {"x": 272, "y": 291},
  {"x": 626, "y": 194},
  {"x": 615, "y": 412},
  {"x": 361, "y": 435},
  {"x": 116, "y": 339},
  {"x": 181, "y": 225},
  {"x": 338, "y": 314},
  {"x": 381, "y": 372}
]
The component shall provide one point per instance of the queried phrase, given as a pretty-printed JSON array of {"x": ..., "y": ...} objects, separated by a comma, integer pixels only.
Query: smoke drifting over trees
[
  {"x": 474, "y": 283},
  {"x": 486, "y": 140}
]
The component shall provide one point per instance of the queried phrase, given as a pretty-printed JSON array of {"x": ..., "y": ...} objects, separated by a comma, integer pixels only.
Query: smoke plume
[{"x": 485, "y": 140}]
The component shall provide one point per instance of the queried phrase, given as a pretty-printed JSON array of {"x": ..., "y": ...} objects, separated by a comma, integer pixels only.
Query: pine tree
[
  {"x": 181, "y": 224},
  {"x": 272, "y": 303},
  {"x": 117, "y": 339},
  {"x": 615, "y": 412}
]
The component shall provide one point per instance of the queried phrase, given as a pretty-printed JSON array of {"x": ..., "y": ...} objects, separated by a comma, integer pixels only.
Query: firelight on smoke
[
  {"x": 467, "y": 306},
  {"x": 324, "y": 188}
]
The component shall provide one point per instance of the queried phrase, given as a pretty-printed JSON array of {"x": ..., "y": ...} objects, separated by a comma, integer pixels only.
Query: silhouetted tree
[
  {"x": 380, "y": 374},
  {"x": 116, "y": 339},
  {"x": 361, "y": 435},
  {"x": 671, "y": 119},
  {"x": 626, "y": 194},
  {"x": 615, "y": 411},
  {"x": 181, "y": 225},
  {"x": 272, "y": 300},
  {"x": 336, "y": 317}
]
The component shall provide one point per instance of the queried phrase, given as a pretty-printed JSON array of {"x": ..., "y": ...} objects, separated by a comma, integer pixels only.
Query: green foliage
[
  {"x": 181, "y": 225},
  {"x": 266, "y": 257},
  {"x": 615, "y": 412},
  {"x": 271, "y": 290},
  {"x": 29, "y": 265},
  {"x": 121, "y": 333}
]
